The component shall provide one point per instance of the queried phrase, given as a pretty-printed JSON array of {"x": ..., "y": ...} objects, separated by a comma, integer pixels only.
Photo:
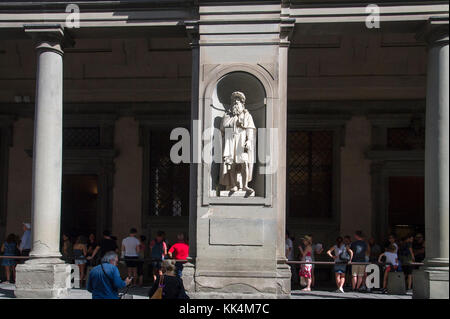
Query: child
[
  {"x": 305, "y": 270},
  {"x": 391, "y": 262}
]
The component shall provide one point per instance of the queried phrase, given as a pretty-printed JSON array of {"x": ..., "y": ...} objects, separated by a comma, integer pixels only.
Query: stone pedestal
[
  {"x": 431, "y": 281},
  {"x": 45, "y": 275},
  {"x": 237, "y": 243},
  {"x": 241, "y": 194},
  {"x": 43, "y": 279}
]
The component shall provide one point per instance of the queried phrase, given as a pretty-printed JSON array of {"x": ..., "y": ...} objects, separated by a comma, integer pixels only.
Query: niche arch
[{"x": 256, "y": 84}]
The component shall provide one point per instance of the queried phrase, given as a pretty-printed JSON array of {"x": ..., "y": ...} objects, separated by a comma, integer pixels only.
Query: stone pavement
[
  {"x": 7, "y": 292},
  {"x": 331, "y": 294}
]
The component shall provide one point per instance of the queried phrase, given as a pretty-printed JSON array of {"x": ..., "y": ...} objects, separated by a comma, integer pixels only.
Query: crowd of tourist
[
  {"x": 14, "y": 245},
  {"x": 88, "y": 251},
  {"x": 104, "y": 279},
  {"x": 133, "y": 251},
  {"x": 351, "y": 257}
]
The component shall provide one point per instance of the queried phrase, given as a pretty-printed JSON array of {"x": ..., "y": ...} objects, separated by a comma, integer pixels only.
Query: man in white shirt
[{"x": 130, "y": 251}]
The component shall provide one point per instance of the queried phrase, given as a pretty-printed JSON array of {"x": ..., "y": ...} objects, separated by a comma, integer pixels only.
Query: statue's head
[{"x": 237, "y": 102}]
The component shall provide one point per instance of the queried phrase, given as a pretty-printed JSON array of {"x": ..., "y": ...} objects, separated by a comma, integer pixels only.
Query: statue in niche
[{"x": 239, "y": 130}]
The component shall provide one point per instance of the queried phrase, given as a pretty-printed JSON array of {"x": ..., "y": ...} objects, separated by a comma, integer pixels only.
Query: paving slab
[{"x": 7, "y": 292}]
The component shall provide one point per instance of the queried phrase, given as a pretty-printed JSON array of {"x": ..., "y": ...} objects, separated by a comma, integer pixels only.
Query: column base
[
  {"x": 431, "y": 283},
  {"x": 237, "y": 285},
  {"x": 232, "y": 295},
  {"x": 43, "y": 279}
]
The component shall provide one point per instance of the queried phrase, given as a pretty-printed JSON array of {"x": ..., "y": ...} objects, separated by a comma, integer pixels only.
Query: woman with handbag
[
  {"x": 305, "y": 269},
  {"x": 168, "y": 285},
  {"x": 9, "y": 248},
  {"x": 342, "y": 256}
]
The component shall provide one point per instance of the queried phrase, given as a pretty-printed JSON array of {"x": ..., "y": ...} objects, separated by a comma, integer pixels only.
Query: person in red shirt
[{"x": 179, "y": 251}]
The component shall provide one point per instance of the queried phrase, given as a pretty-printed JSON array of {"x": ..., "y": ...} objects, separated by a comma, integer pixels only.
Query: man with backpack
[
  {"x": 360, "y": 250},
  {"x": 158, "y": 250}
]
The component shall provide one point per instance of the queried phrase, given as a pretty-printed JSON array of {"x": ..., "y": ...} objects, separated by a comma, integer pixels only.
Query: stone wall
[
  {"x": 20, "y": 175},
  {"x": 127, "y": 178},
  {"x": 356, "y": 67},
  {"x": 356, "y": 201},
  {"x": 363, "y": 67},
  {"x": 352, "y": 67}
]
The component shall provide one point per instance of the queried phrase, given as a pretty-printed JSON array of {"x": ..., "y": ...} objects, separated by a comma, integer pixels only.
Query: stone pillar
[
  {"x": 189, "y": 267},
  {"x": 431, "y": 281},
  {"x": 237, "y": 240},
  {"x": 283, "y": 269},
  {"x": 45, "y": 275}
]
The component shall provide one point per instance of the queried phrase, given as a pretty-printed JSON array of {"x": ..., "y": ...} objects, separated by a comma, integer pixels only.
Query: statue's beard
[{"x": 237, "y": 109}]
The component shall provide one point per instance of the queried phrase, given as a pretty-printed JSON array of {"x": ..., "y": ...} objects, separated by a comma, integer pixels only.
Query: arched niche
[{"x": 255, "y": 103}]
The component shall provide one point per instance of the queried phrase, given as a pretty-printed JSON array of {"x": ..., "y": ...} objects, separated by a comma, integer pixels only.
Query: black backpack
[{"x": 344, "y": 256}]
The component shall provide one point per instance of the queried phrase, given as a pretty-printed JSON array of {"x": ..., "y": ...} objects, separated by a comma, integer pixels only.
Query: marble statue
[{"x": 239, "y": 131}]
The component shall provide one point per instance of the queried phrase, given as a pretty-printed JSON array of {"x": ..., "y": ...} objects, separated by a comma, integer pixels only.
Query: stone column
[
  {"x": 189, "y": 267},
  {"x": 45, "y": 275},
  {"x": 283, "y": 269},
  {"x": 431, "y": 281}
]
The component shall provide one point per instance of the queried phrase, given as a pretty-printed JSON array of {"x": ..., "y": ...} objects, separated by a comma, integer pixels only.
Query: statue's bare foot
[
  {"x": 233, "y": 190},
  {"x": 248, "y": 190}
]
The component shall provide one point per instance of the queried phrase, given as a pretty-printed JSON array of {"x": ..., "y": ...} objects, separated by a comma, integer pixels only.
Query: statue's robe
[{"x": 235, "y": 138}]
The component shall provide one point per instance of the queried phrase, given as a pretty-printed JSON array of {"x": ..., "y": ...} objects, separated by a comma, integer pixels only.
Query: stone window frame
[
  {"x": 6, "y": 141},
  {"x": 321, "y": 122},
  {"x": 304, "y": 172},
  {"x": 147, "y": 123},
  {"x": 389, "y": 163}
]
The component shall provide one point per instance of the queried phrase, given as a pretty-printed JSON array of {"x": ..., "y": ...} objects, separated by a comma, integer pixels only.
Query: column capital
[
  {"x": 286, "y": 30},
  {"x": 49, "y": 37},
  {"x": 192, "y": 30},
  {"x": 435, "y": 32}
]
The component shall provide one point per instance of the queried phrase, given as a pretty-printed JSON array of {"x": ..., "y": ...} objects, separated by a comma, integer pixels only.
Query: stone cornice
[
  {"x": 94, "y": 153},
  {"x": 393, "y": 155},
  {"x": 128, "y": 14},
  {"x": 87, "y": 120},
  {"x": 317, "y": 120},
  {"x": 393, "y": 120},
  {"x": 192, "y": 31},
  {"x": 335, "y": 18},
  {"x": 163, "y": 122},
  {"x": 100, "y": 4}
]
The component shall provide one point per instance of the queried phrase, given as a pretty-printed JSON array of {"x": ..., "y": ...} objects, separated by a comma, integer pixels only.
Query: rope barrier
[
  {"x": 298, "y": 262},
  {"x": 344, "y": 263}
]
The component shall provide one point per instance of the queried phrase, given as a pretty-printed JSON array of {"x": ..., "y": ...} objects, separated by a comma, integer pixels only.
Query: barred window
[
  {"x": 81, "y": 137},
  {"x": 310, "y": 168},
  {"x": 406, "y": 138},
  {"x": 169, "y": 182}
]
